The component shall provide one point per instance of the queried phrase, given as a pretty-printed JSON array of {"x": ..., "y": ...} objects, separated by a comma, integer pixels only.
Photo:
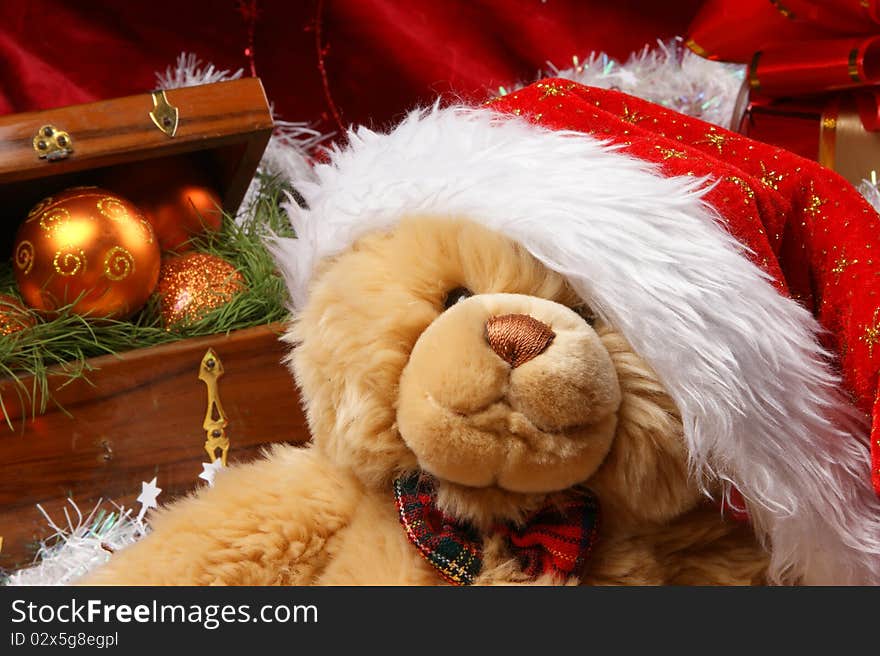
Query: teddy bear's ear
[{"x": 634, "y": 228}]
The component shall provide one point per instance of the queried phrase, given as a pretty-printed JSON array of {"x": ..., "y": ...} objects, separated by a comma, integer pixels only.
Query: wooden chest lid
[{"x": 221, "y": 131}]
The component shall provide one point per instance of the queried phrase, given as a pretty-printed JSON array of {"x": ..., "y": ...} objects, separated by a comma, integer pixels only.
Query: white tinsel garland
[
  {"x": 80, "y": 544},
  {"x": 673, "y": 76},
  {"x": 188, "y": 71},
  {"x": 669, "y": 75},
  {"x": 868, "y": 189}
]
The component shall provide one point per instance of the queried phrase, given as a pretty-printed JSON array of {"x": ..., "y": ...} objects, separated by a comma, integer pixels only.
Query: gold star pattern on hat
[
  {"x": 714, "y": 138},
  {"x": 769, "y": 177},
  {"x": 871, "y": 334}
]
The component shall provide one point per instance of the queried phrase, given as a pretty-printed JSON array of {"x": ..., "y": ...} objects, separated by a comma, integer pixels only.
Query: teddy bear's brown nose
[{"x": 517, "y": 338}]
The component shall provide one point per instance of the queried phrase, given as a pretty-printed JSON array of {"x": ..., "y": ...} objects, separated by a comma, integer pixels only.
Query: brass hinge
[
  {"x": 215, "y": 418},
  {"x": 52, "y": 144},
  {"x": 164, "y": 114}
]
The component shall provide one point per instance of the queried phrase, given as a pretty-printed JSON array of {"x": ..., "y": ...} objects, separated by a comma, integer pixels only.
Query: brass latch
[
  {"x": 51, "y": 143},
  {"x": 164, "y": 114},
  {"x": 215, "y": 418}
]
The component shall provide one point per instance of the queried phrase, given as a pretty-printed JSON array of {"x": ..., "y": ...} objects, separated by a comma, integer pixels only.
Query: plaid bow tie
[{"x": 555, "y": 539}]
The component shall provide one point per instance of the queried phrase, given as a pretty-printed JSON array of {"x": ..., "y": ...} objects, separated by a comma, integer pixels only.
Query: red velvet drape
[{"x": 381, "y": 56}]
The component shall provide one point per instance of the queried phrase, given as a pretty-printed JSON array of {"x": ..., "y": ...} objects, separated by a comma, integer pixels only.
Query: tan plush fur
[{"x": 393, "y": 382}]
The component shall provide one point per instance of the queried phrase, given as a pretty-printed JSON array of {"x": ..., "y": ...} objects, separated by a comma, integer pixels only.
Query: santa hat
[{"x": 709, "y": 252}]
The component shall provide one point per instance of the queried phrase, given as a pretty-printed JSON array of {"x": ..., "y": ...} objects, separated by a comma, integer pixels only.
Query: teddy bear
[{"x": 551, "y": 339}]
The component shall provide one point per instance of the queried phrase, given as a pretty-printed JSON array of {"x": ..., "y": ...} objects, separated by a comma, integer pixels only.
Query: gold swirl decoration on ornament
[
  {"x": 69, "y": 263},
  {"x": 24, "y": 256},
  {"x": 119, "y": 264},
  {"x": 39, "y": 207},
  {"x": 53, "y": 219},
  {"x": 148, "y": 230},
  {"x": 113, "y": 209}
]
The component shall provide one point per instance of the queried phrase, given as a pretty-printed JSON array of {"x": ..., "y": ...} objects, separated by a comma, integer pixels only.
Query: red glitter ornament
[
  {"x": 13, "y": 316},
  {"x": 192, "y": 285}
]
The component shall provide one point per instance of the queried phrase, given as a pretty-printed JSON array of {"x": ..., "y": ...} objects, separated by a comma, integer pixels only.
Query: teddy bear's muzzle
[{"x": 511, "y": 391}]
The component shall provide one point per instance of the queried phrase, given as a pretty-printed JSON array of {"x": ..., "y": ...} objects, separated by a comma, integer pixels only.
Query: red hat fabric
[{"x": 713, "y": 254}]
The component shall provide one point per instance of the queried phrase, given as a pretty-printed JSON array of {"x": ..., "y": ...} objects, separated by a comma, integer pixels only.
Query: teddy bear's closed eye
[
  {"x": 456, "y": 295},
  {"x": 586, "y": 313}
]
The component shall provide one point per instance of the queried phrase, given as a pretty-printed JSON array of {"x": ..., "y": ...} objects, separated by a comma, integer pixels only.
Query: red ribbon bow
[
  {"x": 797, "y": 47},
  {"x": 557, "y": 539}
]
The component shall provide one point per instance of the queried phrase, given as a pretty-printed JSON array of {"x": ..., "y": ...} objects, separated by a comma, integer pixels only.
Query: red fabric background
[{"x": 383, "y": 56}]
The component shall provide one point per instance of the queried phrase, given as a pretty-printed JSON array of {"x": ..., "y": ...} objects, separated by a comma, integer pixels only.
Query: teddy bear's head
[{"x": 445, "y": 347}]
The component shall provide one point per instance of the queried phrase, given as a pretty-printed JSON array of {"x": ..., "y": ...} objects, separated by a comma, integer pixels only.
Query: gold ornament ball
[
  {"x": 90, "y": 246},
  {"x": 182, "y": 213},
  {"x": 13, "y": 316},
  {"x": 192, "y": 285}
]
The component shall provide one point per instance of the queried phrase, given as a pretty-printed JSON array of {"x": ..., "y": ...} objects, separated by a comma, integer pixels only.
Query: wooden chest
[{"x": 138, "y": 415}]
